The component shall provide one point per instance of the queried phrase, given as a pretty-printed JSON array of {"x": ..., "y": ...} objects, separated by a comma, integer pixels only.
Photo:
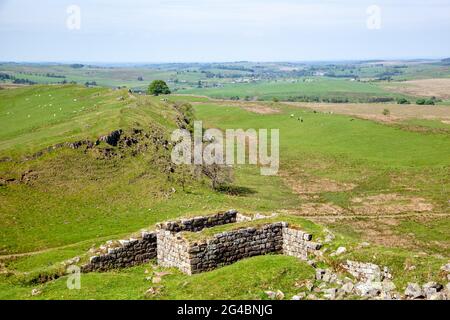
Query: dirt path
[
  {"x": 31, "y": 253},
  {"x": 385, "y": 216},
  {"x": 260, "y": 107},
  {"x": 70, "y": 245}
]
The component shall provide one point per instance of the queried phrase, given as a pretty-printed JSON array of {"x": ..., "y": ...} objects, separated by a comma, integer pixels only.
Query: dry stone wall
[
  {"x": 171, "y": 249},
  {"x": 131, "y": 252},
  {"x": 127, "y": 253},
  {"x": 199, "y": 223},
  {"x": 228, "y": 247},
  {"x": 298, "y": 244}
]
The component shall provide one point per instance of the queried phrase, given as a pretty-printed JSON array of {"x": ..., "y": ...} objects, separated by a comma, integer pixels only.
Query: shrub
[
  {"x": 386, "y": 112},
  {"x": 402, "y": 101},
  {"x": 380, "y": 99},
  {"x": 425, "y": 102}
]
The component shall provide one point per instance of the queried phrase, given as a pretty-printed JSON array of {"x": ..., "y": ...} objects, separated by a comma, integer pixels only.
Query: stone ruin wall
[
  {"x": 298, "y": 244},
  {"x": 131, "y": 252},
  {"x": 172, "y": 250},
  {"x": 231, "y": 246},
  {"x": 199, "y": 223},
  {"x": 228, "y": 247}
]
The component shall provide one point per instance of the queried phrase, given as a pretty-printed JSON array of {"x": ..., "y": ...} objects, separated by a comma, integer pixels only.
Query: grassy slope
[
  {"x": 35, "y": 117},
  {"x": 78, "y": 196},
  {"x": 81, "y": 201},
  {"x": 247, "y": 279},
  {"x": 333, "y": 134},
  {"x": 377, "y": 158},
  {"x": 370, "y": 154}
]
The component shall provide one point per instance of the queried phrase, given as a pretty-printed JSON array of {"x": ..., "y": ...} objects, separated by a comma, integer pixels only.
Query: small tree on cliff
[{"x": 158, "y": 87}]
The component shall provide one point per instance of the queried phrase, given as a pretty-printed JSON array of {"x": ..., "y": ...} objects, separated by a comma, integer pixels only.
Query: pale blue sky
[{"x": 227, "y": 30}]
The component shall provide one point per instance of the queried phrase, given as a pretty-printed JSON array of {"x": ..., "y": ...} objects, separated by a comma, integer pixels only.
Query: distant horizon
[{"x": 218, "y": 61}]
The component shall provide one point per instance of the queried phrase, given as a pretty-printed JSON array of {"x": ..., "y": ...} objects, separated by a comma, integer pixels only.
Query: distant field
[
  {"x": 321, "y": 88},
  {"x": 322, "y": 81},
  {"x": 103, "y": 76},
  {"x": 375, "y": 111},
  {"x": 417, "y": 71},
  {"x": 137, "y": 77},
  {"x": 439, "y": 88}
]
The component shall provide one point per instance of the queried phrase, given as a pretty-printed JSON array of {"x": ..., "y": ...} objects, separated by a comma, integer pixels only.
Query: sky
[{"x": 141, "y": 31}]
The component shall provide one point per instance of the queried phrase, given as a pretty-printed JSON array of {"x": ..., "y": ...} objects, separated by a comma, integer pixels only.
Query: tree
[
  {"x": 220, "y": 175},
  {"x": 183, "y": 175},
  {"x": 77, "y": 66},
  {"x": 158, "y": 87}
]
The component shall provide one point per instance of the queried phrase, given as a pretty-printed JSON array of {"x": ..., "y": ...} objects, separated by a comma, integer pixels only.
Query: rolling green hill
[
  {"x": 62, "y": 194},
  {"x": 58, "y": 199}
]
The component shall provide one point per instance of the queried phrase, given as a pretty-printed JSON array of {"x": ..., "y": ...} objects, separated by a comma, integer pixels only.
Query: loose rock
[
  {"x": 340, "y": 250},
  {"x": 36, "y": 292},
  {"x": 299, "y": 296},
  {"x": 330, "y": 293},
  {"x": 414, "y": 291},
  {"x": 431, "y": 288}
]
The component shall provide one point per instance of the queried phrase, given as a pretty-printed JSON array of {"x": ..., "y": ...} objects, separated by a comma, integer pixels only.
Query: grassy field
[
  {"x": 372, "y": 143},
  {"x": 35, "y": 117},
  {"x": 320, "y": 88},
  {"x": 376, "y": 174},
  {"x": 247, "y": 279},
  {"x": 374, "y": 156}
]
